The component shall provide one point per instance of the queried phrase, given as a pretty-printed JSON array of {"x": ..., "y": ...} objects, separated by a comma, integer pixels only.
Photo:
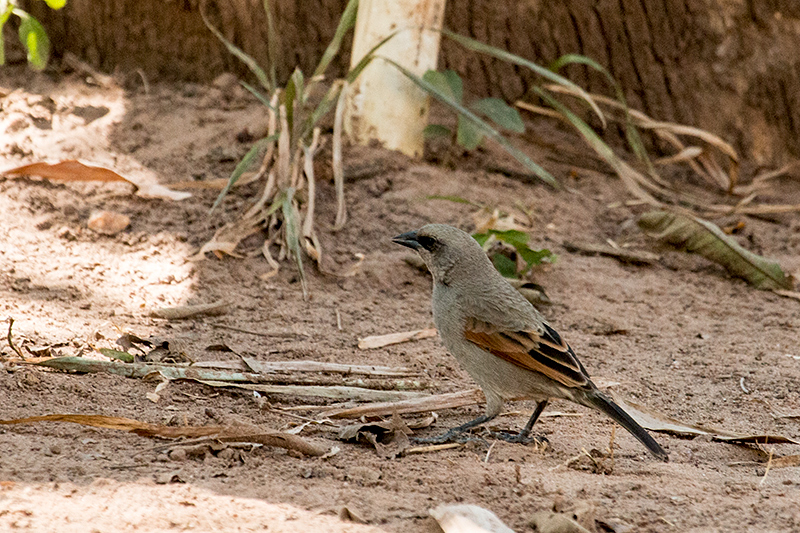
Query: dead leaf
[
  {"x": 379, "y": 341},
  {"x": 389, "y": 438},
  {"x": 707, "y": 239},
  {"x": 108, "y": 222},
  {"x": 468, "y": 518},
  {"x": 655, "y": 421},
  {"x": 74, "y": 170}
]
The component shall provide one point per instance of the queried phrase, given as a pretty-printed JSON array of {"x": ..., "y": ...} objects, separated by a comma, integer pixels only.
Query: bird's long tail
[{"x": 603, "y": 403}]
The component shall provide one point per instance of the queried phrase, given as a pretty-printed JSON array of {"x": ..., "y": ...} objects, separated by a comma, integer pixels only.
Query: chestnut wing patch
[{"x": 545, "y": 353}]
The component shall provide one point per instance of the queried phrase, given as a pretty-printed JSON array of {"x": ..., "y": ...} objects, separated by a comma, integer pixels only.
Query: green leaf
[
  {"x": 448, "y": 82},
  {"x": 56, "y": 4},
  {"x": 242, "y": 166},
  {"x": 512, "y": 236},
  {"x": 34, "y": 39},
  {"x": 481, "y": 238},
  {"x": 117, "y": 354},
  {"x": 251, "y": 63},
  {"x": 3, "y": 19},
  {"x": 488, "y": 130},
  {"x": 707, "y": 239},
  {"x": 501, "y": 113},
  {"x": 477, "y": 46},
  {"x": 433, "y": 131},
  {"x": 504, "y": 265},
  {"x": 469, "y": 134},
  {"x": 535, "y": 257},
  {"x": 346, "y": 22}
]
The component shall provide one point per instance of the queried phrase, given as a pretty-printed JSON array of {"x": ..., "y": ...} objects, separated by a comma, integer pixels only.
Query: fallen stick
[
  {"x": 622, "y": 254},
  {"x": 213, "y": 433},
  {"x": 379, "y": 341},
  {"x": 433, "y": 448},
  {"x": 335, "y": 392},
  {"x": 416, "y": 405},
  {"x": 266, "y": 367},
  {"x": 201, "y": 373}
]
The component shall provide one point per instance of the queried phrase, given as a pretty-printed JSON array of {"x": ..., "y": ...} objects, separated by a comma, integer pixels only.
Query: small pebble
[{"x": 178, "y": 454}]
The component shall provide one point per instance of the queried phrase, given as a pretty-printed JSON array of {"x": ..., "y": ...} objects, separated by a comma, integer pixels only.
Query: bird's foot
[{"x": 521, "y": 438}]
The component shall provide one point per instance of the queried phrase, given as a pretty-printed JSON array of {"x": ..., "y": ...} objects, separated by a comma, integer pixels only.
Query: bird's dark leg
[
  {"x": 523, "y": 436},
  {"x": 454, "y": 434}
]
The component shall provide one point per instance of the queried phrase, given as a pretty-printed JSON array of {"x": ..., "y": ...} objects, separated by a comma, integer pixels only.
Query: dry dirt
[{"x": 680, "y": 336}]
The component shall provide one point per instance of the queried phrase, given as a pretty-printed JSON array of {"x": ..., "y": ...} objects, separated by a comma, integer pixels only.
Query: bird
[{"x": 501, "y": 340}]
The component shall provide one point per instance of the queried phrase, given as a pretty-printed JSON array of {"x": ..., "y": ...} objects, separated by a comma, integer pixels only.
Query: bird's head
[{"x": 448, "y": 252}]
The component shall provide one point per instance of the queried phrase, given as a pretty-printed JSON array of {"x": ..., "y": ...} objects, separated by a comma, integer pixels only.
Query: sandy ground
[{"x": 680, "y": 336}]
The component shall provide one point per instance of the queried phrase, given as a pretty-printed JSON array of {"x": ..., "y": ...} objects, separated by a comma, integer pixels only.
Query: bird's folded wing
[{"x": 539, "y": 351}]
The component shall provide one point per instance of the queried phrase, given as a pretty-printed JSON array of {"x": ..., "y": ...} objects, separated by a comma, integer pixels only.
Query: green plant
[
  {"x": 287, "y": 204},
  {"x": 516, "y": 259},
  {"x": 468, "y": 133},
  {"x": 31, "y": 32}
]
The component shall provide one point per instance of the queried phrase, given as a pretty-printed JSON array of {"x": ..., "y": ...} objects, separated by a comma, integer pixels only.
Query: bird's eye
[{"x": 429, "y": 243}]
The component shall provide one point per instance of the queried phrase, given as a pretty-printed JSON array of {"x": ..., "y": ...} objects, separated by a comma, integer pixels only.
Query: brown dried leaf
[
  {"x": 389, "y": 438},
  {"x": 74, "y": 170}
]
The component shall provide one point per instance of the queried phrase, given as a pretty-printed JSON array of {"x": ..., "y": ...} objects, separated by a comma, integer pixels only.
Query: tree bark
[{"x": 728, "y": 66}]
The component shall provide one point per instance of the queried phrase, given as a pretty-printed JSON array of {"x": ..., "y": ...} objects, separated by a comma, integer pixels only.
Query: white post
[{"x": 383, "y": 104}]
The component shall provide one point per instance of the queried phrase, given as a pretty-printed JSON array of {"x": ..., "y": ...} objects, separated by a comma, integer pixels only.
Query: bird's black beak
[{"x": 408, "y": 239}]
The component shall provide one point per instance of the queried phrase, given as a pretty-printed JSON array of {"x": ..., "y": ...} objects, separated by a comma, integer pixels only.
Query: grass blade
[
  {"x": 488, "y": 130},
  {"x": 251, "y": 63},
  {"x": 292, "y": 233},
  {"x": 477, "y": 46},
  {"x": 346, "y": 22},
  {"x": 338, "y": 166},
  {"x": 255, "y": 92},
  {"x": 242, "y": 166},
  {"x": 632, "y": 179},
  {"x": 273, "y": 44},
  {"x": 631, "y": 133}
]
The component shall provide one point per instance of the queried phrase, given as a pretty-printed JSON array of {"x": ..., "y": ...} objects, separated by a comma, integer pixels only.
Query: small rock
[
  {"x": 55, "y": 449},
  {"x": 178, "y": 454},
  {"x": 108, "y": 222},
  {"x": 227, "y": 454}
]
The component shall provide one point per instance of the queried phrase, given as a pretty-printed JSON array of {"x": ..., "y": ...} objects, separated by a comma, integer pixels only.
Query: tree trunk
[{"x": 728, "y": 66}]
